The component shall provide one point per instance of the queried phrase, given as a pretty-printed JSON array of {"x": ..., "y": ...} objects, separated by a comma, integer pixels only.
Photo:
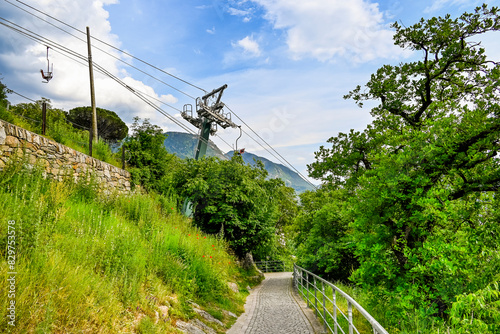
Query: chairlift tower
[{"x": 209, "y": 116}]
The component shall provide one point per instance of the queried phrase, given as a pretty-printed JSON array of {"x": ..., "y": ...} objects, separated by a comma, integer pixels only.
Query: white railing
[
  {"x": 316, "y": 290},
  {"x": 272, "y": 266}
]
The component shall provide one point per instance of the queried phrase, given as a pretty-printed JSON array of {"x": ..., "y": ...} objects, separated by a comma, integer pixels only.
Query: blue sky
[{"x": 287, "y": 63}]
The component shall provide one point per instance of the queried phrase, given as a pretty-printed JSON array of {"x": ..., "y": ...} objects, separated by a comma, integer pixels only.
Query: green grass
[{"x": 94, "y": 263}]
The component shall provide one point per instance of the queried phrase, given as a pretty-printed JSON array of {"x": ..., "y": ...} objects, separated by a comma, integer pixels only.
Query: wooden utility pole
[{"x": 92, "y": 92}]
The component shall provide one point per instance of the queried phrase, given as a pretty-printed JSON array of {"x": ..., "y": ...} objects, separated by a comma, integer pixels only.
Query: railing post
[
  {"x": 351, "y": 303},
  {"x": 302, "y": 282},
  {"x": 335, "y": 330},
  {"x": 315, "y": 298},
  {"x": 324, "y": 306},
  {"x": 349, "y": 312},
  {"x": 307, "y": 288}
]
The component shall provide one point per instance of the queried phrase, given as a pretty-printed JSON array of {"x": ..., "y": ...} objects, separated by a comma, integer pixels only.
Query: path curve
[{"x": 274, "y": 308}]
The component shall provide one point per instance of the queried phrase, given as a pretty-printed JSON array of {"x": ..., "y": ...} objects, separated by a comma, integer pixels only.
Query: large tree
[
  {"x": 237, "y": 201},
  {"x": 150, "y": 163},
  {"x": 109, "y": 125},
  {"x": 3, "y": 94},
  {"x": 424, "y": 176}
]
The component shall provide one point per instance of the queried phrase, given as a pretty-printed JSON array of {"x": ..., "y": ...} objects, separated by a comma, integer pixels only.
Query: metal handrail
[
  {"x": 300, "y": 275},
  {"x": 271, "y": 266}
]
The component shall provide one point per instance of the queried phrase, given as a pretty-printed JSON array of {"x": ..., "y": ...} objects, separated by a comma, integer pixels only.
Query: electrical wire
[
  {"x": 103, "y": 51},
  {"x": 151, "y": 104},
  {"x": 27, "y": 98},
  {"x": 100, "y": 69},
  {"x": 113, "y": 47},
  {"x": 282, "y": 160}
]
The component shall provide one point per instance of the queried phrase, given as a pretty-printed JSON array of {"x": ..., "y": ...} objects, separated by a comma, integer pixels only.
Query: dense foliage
[
  {"x": 236, "y": 200},
  {"x": 109, "y": 125},
  {"x": 418, "y": 204},
  {"x": 3, "y": 94},
  {"x": 149, "y": 163}
]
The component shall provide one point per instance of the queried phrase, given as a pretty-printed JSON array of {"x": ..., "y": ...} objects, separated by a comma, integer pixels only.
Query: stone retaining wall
[{"x": 58, "y": 160}]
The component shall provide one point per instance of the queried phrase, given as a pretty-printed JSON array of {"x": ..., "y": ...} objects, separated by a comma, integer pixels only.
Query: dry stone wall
[{"x": 58, "y": 161}]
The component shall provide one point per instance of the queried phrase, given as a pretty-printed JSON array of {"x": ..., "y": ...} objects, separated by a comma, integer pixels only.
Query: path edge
[
  {"x": 308, "y": 312},
  {"x": 243, "y": 321}
]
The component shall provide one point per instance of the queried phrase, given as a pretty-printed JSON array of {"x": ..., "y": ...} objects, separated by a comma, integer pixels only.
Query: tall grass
[{"x": 89, "y": 262}]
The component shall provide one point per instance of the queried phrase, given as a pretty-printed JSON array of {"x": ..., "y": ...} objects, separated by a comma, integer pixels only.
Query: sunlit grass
[{"x": 96, "y": 263}]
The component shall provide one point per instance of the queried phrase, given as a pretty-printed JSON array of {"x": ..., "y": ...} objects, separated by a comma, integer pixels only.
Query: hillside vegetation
[
  {"x": 100, "y": 263},
  {"x": 409, "y": 207}
]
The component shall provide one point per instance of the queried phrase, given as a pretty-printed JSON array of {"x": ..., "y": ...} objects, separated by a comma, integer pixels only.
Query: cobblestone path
[{"x": 272, "y": 308}]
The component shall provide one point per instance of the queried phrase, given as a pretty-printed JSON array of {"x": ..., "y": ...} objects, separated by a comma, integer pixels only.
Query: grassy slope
[{"x": 90, "y": 263}]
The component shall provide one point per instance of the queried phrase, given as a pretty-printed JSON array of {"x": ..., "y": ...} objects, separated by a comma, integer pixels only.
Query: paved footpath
[{"x": 274, "y": 308}]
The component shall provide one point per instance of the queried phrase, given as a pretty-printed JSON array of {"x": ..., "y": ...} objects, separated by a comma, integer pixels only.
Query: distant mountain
[
  {"x": 184, "y": 144},
  {"x": 291, "y": 178}
]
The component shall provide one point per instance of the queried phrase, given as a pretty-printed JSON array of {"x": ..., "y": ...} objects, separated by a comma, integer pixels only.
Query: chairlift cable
[
  {"x": 27, "y": 98},
  {"x": 43, "y": 40},
  {"x": 283, "y": 159},
  {"x": 113, "y": 47},
  {"x": 103, "y": 51},
  {"x": 128, "y": 54}
]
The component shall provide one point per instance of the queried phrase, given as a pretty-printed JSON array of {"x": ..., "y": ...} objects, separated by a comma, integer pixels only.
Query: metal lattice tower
[{"x": 210, "y": 114}]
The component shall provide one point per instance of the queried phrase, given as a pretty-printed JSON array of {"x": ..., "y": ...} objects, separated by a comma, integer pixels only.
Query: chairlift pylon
[{"x": 49, "y": 74}]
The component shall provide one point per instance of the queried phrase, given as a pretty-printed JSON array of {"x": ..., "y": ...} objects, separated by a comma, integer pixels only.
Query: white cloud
[
  {"x": 249, "y": 45},
  {"x": 238, "y": 12},
  {"x": 327, "y": 29},
  {"x": 438, "y": 4},
  {"x": 21, "y": 60},
  {"x": 211, "y": 31}
]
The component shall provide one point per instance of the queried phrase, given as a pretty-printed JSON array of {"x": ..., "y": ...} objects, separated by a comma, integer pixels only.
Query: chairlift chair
[
  {"x": 241, "y": 151},
  {"x": 49, "y": 74}
]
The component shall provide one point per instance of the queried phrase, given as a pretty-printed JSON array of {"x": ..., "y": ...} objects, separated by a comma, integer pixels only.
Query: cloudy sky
[{"x": 287, "y": 63}]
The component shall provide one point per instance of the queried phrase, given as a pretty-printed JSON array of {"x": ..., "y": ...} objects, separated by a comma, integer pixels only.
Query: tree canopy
[
  {"x": 237, "y": 201},
  {"x": 423, "y": 178},
  {"x": 109, "y": 124},
  {"x": 150, "y": 163},
  {"x": 3, "y": 94}
]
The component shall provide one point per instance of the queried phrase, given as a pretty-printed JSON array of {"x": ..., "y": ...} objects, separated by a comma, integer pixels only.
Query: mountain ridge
[{"x": 184, "y": 144}]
